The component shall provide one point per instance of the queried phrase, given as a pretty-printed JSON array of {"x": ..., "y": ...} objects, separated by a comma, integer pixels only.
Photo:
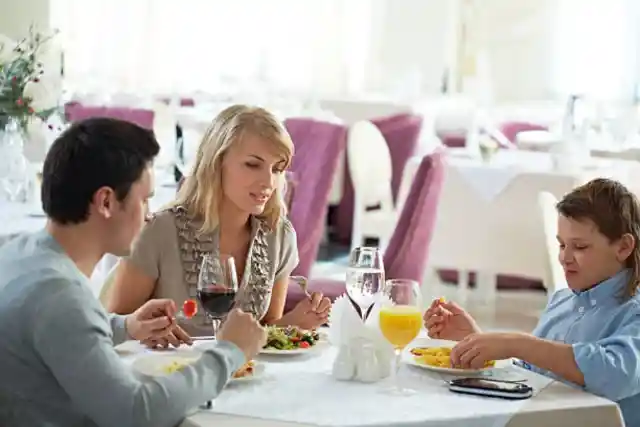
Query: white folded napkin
[{"x": 363, "y": 352}]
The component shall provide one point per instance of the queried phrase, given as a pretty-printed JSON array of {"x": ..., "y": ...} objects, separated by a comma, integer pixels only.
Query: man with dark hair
[{"x": 57, "y": 361}]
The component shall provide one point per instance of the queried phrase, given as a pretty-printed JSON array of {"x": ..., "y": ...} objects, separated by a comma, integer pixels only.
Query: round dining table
[{"x": 300, "y": 391}]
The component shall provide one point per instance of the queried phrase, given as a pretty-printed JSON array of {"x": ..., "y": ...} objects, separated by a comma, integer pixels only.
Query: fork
[{"x": 303, "y": 283}]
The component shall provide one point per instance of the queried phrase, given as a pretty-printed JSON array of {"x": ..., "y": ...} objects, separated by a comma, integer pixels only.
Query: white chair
[
  {"x": 374, "y": 214},
  {"x": 554, "y": 279},
  {"x": 102, "y": 273},
  {"x": 105, "y": 290}
]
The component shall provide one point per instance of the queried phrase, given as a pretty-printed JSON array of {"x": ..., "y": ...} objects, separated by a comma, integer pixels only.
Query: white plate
[
  {"x": 427, "y": 343},
  {"x": 154, "y": 365}
]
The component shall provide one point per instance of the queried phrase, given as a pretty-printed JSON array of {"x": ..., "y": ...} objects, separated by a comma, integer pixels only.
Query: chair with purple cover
[
  {"x": 401, "y": 132},
  {"x": 141, "y": 116},
  {"x": 318, "y": 146},
  {"x": 407, "y": 254},
  {"x": 512, "y": 129}
]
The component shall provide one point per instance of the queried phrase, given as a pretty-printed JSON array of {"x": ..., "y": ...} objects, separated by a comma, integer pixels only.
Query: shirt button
[
  {"x": 593, "y": 303},
  {"x": 581, "y": 310}
]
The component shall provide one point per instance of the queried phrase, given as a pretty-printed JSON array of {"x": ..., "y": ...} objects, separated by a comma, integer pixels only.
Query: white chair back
[
  {"x": 369, "y": 164},
  {"x": 554, "y": 279},
  {"x": 105, "y": 290},
  {"x": 370, "y": 168}
]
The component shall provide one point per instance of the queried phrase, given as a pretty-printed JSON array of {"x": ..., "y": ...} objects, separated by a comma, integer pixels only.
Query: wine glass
[
  {"x": 365, "y": 278},
  {"x": 217, "y": 287},
  {"x": 400, "y": 321}
]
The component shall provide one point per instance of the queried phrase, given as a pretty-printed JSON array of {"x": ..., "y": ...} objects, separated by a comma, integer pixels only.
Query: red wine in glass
[
  {"x": 216, "y": 300},
  {"x": 217, "y": 287}
]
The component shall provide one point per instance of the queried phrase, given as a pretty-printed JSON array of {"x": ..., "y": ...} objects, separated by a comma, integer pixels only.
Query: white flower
[
  {"x": 42, "y": 94},
  {"x": 7, "y": 49}
]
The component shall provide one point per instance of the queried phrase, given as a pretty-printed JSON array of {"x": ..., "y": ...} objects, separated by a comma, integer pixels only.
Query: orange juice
[{"x": 400, "y": 324}]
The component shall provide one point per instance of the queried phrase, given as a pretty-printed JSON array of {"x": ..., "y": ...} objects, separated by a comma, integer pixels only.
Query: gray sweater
[{"x": 58, "y": 366}]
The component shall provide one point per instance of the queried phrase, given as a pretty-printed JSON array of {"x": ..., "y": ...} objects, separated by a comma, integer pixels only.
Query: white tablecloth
[
  {"x": 502, "y": 233},
  {"x": 299, "y": 391}
]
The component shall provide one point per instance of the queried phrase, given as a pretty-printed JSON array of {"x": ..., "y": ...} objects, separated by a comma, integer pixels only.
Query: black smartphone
[{"x": 491, "y": 388}]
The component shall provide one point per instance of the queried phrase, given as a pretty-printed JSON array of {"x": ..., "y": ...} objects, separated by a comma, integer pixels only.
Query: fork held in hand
[{"x": 303, "y": 283}]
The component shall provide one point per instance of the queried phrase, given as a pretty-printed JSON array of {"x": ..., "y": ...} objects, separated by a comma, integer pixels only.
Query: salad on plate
[{"x": 290, "y": 338}]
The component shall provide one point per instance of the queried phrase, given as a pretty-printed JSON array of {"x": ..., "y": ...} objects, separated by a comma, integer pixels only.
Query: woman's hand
[
  {"x": 310, "y": 313},
  {"x": 449, "y": 321}
]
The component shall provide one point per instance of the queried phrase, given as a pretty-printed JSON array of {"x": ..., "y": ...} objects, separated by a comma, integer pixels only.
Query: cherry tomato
[
  {"x": 190, "y": 308},
  {"x": 304, "y": 344}
]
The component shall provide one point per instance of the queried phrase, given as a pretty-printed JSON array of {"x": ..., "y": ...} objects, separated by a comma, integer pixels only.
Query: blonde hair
[{"x": 201, "y": 192}]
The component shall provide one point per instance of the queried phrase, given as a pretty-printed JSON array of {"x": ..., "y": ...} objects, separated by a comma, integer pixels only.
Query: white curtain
[
  {"x": 595, "y": 48},
  {"x": 169, "y": 46}
]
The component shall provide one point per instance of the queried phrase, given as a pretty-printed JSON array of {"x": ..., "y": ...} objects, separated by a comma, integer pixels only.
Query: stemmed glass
[
  {"x": 217, "y": 287},
  {"x": 400, "y": 322},
  {"x": 365, "y": 278}
]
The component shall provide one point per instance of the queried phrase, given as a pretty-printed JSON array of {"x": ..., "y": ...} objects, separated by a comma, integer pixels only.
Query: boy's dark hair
[
  {"x": 94, "y": 153},
  {"x": 615, "y": 212}
]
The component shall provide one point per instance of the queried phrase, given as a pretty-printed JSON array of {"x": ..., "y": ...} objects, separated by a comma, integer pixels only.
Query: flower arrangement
[{"x": 24, "y": 95}]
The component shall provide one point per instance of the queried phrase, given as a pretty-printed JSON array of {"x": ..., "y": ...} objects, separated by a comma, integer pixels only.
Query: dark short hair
[
  {"x": 615, "y": 212},
  {"x": 89, "y": 155}
]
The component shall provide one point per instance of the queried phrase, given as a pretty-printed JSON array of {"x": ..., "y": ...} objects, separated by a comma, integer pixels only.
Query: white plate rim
[
  {"x": 428, "y": 343},
  {"x": 294, "y": 351},
  {"x": 150, "y": 365}
]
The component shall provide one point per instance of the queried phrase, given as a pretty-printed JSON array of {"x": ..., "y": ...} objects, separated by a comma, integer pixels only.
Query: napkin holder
[{"x": 363, "y": 352}]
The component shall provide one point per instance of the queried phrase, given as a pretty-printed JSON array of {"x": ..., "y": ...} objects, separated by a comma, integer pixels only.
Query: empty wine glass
[
  {"x": 217, "y": 287},
  {"x": 365, "y": 278},
  {"x": 400, "y": 321}
]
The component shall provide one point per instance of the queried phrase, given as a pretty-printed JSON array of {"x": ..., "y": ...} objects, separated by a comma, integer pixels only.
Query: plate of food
[
  {"x": 166, "y": 364},
  {"x": 435, "y": 355},
  {"x": 250, "y": 371},
  {"x": 160, "y": 364},
  {"x": 290, "y": 340}
]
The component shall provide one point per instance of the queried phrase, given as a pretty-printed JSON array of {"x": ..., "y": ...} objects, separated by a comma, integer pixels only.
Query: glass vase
[{"x": 13, "y": 164}]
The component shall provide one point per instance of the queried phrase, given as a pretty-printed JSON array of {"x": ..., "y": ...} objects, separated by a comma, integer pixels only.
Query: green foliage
[{"x": 24, "y": 67}]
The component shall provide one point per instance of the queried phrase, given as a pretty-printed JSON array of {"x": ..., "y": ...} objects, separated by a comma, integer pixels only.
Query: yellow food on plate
[
  {"x": 246, "y": 370},
  {"x": 174, "y": 366},
  {"x": 439, "y": 357}
]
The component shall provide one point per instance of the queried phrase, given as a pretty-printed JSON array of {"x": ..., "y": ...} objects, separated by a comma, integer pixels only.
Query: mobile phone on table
[{"x": 491, "y": 388}]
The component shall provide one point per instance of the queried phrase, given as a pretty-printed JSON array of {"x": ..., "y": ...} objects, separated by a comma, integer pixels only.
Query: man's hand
[
  {"x": 154, "y": 324},
  {"x": 245, "y": 331}
]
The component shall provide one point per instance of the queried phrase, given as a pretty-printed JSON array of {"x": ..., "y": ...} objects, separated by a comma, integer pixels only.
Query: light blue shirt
[
  {"x": 58, "y": 367},
  {"x": 605, "y": 335}
]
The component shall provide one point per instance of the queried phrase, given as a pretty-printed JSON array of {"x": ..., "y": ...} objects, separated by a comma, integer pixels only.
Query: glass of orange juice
[{"x": 400, "y": 321}]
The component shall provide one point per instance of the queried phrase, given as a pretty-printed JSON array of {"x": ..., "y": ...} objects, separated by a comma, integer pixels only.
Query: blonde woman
[{"x": 230, "y": 204}]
